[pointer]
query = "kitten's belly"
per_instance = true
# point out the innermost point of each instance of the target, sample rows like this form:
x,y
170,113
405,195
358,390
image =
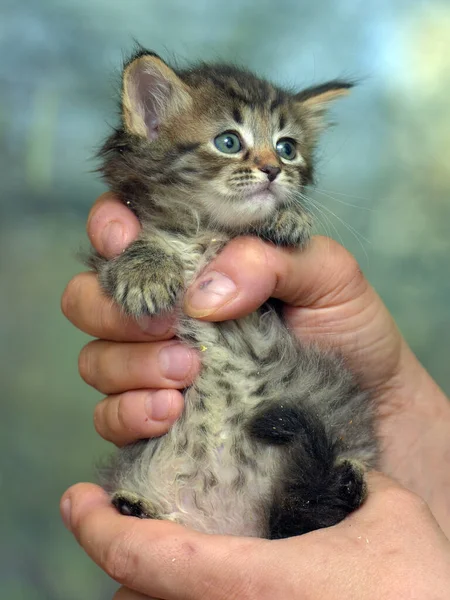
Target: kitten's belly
x,y
224,508
205,472
214,493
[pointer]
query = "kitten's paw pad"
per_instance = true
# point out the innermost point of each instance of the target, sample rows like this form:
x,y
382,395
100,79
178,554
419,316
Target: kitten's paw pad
x,y
352,482
132,505
143,283
289,229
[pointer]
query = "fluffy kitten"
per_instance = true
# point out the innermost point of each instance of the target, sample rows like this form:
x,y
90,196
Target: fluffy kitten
x,y
275,436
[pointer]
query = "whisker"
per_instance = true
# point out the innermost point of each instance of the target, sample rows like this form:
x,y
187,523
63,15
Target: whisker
x,y
324,193
326,218
344,194
358,236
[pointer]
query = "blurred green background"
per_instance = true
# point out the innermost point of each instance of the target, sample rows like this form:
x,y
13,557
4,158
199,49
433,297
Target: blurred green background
x,y
384,187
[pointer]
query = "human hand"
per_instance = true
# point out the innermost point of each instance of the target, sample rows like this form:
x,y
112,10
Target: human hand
x,y
327,301
390,548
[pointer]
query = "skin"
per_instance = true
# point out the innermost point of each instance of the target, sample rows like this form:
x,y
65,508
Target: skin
x,y
328,301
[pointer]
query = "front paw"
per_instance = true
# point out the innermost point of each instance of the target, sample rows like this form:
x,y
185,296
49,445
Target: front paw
x,y
143,280
289,228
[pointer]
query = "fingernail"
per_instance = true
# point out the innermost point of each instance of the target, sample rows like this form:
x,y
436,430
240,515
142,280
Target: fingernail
x,y
155,325
113,238
158,405
175,361
66,508
210,292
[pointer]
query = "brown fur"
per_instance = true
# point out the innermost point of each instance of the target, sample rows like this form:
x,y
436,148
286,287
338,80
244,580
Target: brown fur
x,y
275,436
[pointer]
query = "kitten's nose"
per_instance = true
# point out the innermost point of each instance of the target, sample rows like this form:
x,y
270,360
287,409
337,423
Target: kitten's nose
x,y
271,171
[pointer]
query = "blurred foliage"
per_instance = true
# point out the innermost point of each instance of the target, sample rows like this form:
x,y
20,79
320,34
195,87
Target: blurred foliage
x,y
383,191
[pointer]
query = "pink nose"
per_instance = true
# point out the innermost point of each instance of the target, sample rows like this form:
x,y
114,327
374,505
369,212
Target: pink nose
x,y
271,171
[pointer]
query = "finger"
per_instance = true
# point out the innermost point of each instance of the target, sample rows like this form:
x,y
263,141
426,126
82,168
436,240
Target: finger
x,y
388,511
159,558
111,225
140,414
388,496
382,492
87,307
113,368
126,594
249,271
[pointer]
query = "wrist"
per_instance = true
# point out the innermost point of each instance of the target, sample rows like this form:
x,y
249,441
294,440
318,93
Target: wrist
x,y
411,392
414,426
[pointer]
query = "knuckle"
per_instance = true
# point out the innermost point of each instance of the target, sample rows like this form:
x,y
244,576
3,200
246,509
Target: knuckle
x,y
86,366
110,319
122,413
108,370
349,268
68,298
113,418
94,366
99,419
402,501
348,278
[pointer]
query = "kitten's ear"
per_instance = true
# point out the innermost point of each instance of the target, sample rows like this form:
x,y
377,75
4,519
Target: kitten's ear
x,y
316,100
151,94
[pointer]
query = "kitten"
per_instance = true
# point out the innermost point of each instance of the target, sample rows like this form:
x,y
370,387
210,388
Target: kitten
x,y
275,436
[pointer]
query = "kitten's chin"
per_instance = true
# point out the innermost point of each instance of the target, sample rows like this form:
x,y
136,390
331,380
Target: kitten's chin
x,y
246,211
262,197
257,206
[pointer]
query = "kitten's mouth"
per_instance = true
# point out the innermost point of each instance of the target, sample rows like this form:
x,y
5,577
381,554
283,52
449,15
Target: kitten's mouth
x,y
261,191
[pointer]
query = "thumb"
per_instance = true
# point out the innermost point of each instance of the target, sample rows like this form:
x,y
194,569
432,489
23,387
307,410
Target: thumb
x,y
126,594
158,558
249,271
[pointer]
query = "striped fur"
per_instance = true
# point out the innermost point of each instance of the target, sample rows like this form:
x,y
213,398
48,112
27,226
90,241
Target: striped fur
x,y
275,436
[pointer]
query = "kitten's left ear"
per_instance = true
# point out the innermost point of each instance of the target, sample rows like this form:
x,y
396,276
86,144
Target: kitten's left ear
x,y
316,100
152,93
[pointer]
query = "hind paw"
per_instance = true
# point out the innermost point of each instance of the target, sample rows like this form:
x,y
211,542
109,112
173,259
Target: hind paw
x,y
352,481
132,505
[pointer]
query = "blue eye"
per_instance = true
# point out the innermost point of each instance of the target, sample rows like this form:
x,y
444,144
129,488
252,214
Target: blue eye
x,y
228,142
286,148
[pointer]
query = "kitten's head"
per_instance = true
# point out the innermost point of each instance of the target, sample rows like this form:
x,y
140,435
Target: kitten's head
x,y
230,144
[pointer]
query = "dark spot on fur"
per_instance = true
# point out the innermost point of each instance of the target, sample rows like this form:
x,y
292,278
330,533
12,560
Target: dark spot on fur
x,y
200,403
182,446
198,450
229,399
236,94
187,147
276,103
128,508
307,173
189,171
225,385
235,419
209,481
237,116
242,457
202,429
261,390
239,481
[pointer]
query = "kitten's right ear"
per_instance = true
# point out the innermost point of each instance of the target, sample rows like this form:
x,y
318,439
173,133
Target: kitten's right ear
x,y
151,94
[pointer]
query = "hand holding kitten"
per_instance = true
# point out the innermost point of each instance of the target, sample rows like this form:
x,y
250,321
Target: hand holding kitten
x,y
327,295
390,548
328,301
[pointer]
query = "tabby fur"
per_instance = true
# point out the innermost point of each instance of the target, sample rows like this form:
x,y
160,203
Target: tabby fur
x,y
276,435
